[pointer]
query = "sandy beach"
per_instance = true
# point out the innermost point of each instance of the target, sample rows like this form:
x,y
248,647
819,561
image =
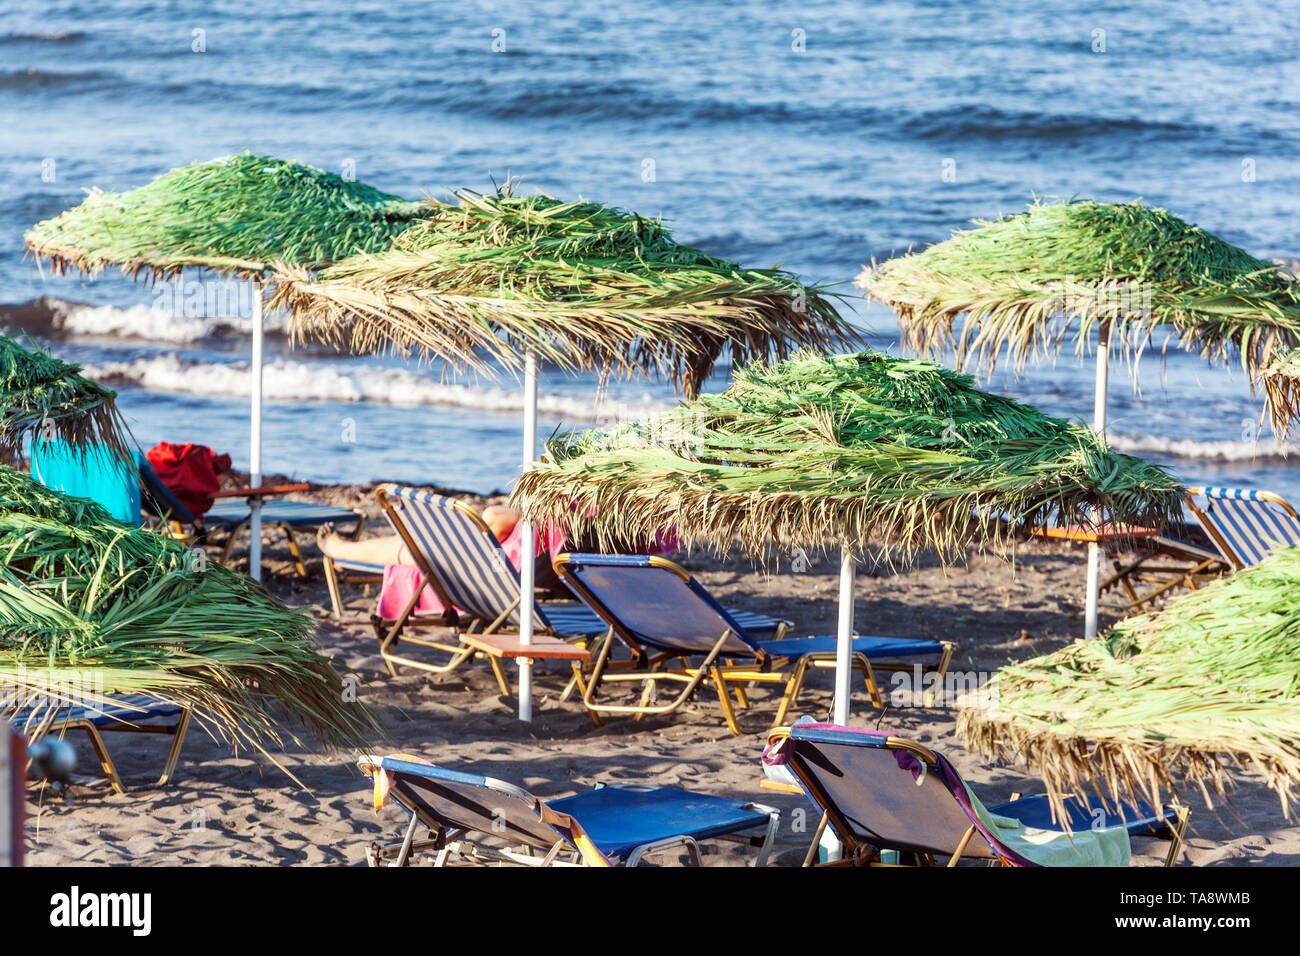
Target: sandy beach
x,y
228,809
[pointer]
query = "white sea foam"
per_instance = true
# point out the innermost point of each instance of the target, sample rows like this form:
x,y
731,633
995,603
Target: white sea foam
x,y
1263,449
153,323
286,380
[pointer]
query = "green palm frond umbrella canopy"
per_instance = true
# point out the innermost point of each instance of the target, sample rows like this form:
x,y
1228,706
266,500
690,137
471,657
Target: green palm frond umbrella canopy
x,y
504,281
90,606
1164,700
845,450
848,449
42,397
236,215
491,278
1127,273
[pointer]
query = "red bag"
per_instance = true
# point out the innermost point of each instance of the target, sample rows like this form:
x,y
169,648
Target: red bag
x,y
190,471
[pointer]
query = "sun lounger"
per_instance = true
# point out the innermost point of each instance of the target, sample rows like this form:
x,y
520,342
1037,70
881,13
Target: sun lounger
x,y
461,560
663,615
606,826
231,512
1161,563
889,798
1246,525
120,713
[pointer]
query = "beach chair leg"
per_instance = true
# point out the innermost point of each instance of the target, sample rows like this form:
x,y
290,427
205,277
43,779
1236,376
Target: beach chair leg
x,y
293,550
792,688
769,837
869,678
101,751
961,846
500,673
178,741
739,686
1179,835
811,856
332,582
229,544
386,642
940,672
724,697
406,842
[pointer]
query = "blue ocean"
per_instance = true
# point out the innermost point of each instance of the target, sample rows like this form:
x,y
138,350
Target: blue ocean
x,y
817,136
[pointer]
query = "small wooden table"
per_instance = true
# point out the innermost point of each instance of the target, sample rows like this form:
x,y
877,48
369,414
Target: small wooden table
x,y
544,647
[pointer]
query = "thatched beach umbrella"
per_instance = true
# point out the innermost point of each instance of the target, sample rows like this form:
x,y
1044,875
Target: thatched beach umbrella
x,y
234,215
1028,282
43,397
1162,699
90,606
505,281
847,451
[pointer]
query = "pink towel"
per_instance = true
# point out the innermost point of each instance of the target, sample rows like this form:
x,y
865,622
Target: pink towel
x,y
550,540
400,582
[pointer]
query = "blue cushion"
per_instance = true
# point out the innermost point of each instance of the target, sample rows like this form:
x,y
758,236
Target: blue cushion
x,y
619,820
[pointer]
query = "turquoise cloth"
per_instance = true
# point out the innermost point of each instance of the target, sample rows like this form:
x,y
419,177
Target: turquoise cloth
x,y
94,473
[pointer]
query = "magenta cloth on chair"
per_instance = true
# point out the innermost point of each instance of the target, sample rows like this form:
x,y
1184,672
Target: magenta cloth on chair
x,y
400,582
550,540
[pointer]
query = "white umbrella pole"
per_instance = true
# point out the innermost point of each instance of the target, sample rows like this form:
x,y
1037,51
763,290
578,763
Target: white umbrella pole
x,y
527,568
1095,555
255,442
844,643
843,673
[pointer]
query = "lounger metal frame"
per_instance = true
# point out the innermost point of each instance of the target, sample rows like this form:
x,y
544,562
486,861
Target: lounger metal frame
x,y
118,724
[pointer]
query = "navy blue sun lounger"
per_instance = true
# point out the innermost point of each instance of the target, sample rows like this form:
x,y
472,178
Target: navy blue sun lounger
x,y
664,615
884,795
485,820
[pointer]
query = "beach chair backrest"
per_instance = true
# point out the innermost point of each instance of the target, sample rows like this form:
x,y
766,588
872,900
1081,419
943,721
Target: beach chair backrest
x,y
454,800
453,545
651,601
880,790
1246,525
160,499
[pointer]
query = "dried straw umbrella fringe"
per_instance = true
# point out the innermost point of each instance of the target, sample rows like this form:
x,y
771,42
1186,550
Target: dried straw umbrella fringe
x,y
1164,699
848,449
583,286
44,398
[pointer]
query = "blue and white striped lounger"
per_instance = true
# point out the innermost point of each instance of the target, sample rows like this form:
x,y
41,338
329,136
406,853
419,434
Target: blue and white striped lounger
x,y
126,712
654,605
606,826
1246,525
461,560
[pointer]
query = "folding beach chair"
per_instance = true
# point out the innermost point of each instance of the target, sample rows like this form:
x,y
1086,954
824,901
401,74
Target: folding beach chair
x,y
614,825
663,615
1246,525
118,713
1161,562
232,513
887,798
461,560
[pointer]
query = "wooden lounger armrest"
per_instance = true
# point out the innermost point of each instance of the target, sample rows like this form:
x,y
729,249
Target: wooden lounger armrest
x,y
261,491
767,783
